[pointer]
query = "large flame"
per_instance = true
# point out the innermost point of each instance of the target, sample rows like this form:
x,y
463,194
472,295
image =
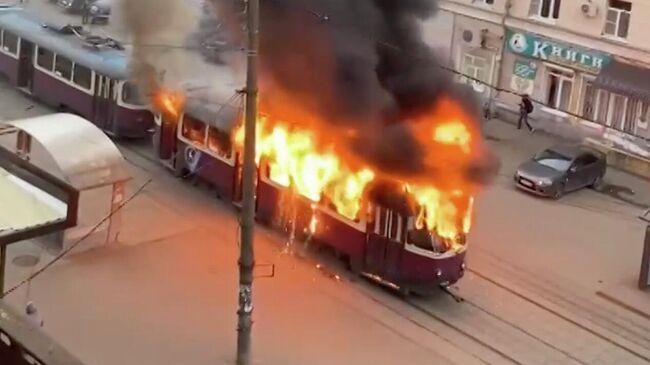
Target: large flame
x,y
313,168
169,103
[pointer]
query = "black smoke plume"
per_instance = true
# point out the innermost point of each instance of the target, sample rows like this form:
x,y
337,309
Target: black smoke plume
x,y
363,66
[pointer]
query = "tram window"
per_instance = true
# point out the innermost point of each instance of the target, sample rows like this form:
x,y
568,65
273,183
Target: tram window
x,y
218,142
9,42
82,76
63,67
131,94
395,227
45,58
194,130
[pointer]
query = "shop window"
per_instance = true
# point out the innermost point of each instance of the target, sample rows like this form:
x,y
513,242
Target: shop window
x,y
475,67
602,106
218,142
194,130
560,86
588,99
643,115
45,58
9,42
618,110
617,23
63,67
546,9
82,76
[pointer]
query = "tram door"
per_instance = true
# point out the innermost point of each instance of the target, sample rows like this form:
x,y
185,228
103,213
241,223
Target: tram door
x,y
103,110
26,66
385,243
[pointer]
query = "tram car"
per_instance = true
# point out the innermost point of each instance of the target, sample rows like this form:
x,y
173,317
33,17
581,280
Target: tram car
x,y
73,72
382,243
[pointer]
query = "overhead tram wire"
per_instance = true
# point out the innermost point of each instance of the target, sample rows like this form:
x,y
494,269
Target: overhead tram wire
x,y
76,243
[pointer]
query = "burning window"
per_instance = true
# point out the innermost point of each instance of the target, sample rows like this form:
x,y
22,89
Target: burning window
x,y
218,142
194,130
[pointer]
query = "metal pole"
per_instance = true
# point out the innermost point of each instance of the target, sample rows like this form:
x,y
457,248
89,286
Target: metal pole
x,y
3,263
247,218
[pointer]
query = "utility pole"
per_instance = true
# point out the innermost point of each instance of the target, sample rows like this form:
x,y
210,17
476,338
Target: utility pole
x,y
247,217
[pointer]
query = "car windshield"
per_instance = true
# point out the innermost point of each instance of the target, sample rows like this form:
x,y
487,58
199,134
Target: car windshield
x,y
554,160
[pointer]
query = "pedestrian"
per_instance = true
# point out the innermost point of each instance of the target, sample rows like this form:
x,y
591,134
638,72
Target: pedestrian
x,y
525,108
85,8
33,315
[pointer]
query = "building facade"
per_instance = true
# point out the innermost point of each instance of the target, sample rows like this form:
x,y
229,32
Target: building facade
x,y
581,59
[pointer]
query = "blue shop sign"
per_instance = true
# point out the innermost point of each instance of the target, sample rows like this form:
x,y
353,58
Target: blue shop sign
x,y
535,46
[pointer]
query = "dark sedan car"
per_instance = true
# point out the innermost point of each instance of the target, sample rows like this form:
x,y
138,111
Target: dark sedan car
x,y
561,169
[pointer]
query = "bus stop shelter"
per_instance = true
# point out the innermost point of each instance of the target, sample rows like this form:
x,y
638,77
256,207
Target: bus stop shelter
x,y
38,198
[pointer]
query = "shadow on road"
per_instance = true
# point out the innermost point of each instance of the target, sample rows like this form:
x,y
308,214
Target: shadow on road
x,y
621,193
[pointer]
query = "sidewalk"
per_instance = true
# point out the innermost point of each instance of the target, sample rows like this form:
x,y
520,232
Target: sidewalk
x,y
626,152
518,145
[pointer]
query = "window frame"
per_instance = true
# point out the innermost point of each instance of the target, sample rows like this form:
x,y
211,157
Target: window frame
x,y
69,81
472,69
563,76
537,7
204,148
617,23
2,43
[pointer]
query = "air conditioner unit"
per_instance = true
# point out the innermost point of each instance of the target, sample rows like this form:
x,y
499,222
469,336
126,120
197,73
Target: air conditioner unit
x,y
474,38
589,9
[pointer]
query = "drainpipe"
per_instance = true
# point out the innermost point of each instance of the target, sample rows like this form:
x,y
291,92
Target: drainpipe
x,y
499,59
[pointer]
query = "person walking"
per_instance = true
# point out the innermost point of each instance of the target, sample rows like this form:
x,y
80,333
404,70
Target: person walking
x,y
85,8
525,108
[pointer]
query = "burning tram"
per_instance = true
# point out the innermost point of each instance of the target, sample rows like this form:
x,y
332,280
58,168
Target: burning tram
x,y
380,229
72,71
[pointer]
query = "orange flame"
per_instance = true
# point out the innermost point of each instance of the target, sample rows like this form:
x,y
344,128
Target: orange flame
x,y
169,103
304,160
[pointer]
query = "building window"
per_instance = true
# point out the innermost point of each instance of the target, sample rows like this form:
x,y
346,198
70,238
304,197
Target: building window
x,y
63,67
560,86
82,76
475,68
488,2
9,42
45,59
547,9
617,23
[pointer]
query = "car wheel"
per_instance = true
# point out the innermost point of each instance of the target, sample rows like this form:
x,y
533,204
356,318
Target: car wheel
x,y
558,192
597,182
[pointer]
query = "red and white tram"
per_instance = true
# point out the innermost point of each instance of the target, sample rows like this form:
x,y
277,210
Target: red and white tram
x,y
382,243
72,72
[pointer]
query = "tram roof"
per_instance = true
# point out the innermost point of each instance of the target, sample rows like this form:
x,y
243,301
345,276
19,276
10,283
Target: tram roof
x,y
223,116
106,61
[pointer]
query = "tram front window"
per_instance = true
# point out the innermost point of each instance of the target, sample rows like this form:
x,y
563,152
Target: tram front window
x,y
218,142
194,130
131,95
423,239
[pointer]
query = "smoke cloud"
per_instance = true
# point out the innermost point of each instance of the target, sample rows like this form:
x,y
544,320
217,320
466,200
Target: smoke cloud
x,y
176,45
363,67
